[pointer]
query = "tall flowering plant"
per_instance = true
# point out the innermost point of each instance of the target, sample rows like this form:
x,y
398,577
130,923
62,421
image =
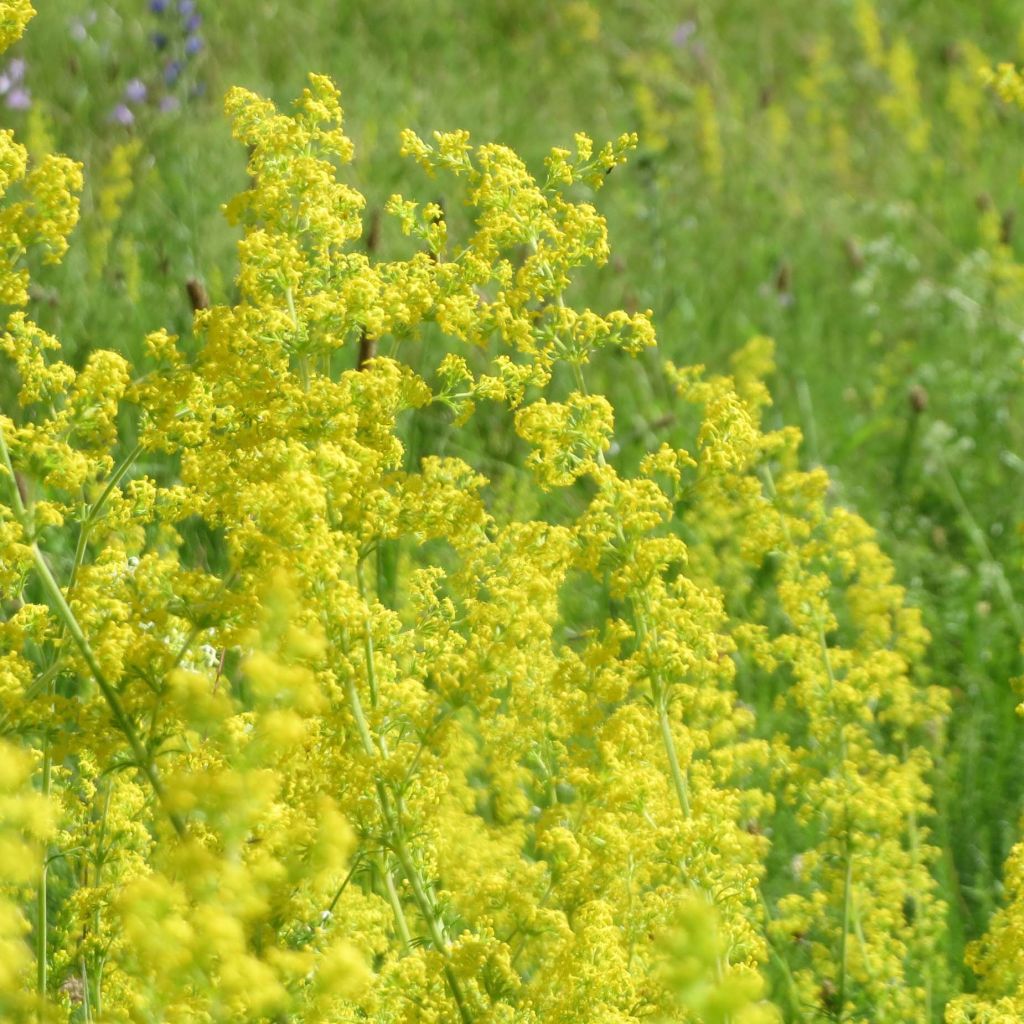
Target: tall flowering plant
x,y
299,728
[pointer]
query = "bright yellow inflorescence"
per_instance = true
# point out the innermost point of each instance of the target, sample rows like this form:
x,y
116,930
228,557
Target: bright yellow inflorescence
x,y
390,751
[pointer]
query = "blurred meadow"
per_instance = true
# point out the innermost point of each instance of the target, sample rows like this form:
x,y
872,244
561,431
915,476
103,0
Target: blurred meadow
x,y
831,174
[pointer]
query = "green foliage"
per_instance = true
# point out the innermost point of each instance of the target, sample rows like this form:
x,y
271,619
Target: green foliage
x,y
408,639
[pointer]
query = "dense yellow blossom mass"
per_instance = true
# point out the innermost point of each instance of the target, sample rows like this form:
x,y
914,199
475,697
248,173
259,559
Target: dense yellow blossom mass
x,y
512,779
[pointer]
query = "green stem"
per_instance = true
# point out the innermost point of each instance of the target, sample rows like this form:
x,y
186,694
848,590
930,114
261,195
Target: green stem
x,y
371,669
371,675
678,779
62,609
396,904
110,695
115,478
43,924
659,690
424,901
341,888
979,540
903,458
430,914
830,675
86,1002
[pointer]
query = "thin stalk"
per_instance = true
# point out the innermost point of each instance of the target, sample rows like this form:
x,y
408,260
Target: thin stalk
x,y
794,991
396,905
83,535
641,609
342,888
371,670
424,901
977,536
59,605
115,478
903,457
371,675
429,911
86,1002
847,908
830,674
858,930
803,395
110,695
678,780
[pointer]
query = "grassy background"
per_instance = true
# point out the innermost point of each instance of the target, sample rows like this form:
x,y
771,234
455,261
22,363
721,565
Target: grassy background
x,y
859,207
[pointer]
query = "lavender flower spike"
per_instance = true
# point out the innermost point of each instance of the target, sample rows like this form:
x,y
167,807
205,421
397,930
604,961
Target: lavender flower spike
x,y
19,98
136,91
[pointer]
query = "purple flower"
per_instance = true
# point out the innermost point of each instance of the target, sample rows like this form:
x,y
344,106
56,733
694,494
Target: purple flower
x,y
193,23
19,98
172,71
168,104
158,6
11,77
79,27
122,115
193,45
160,40
135,91
186,7
684,32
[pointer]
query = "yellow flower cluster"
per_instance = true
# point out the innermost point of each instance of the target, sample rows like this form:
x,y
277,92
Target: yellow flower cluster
x,y
116,186
1006,81
851,78
375,747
